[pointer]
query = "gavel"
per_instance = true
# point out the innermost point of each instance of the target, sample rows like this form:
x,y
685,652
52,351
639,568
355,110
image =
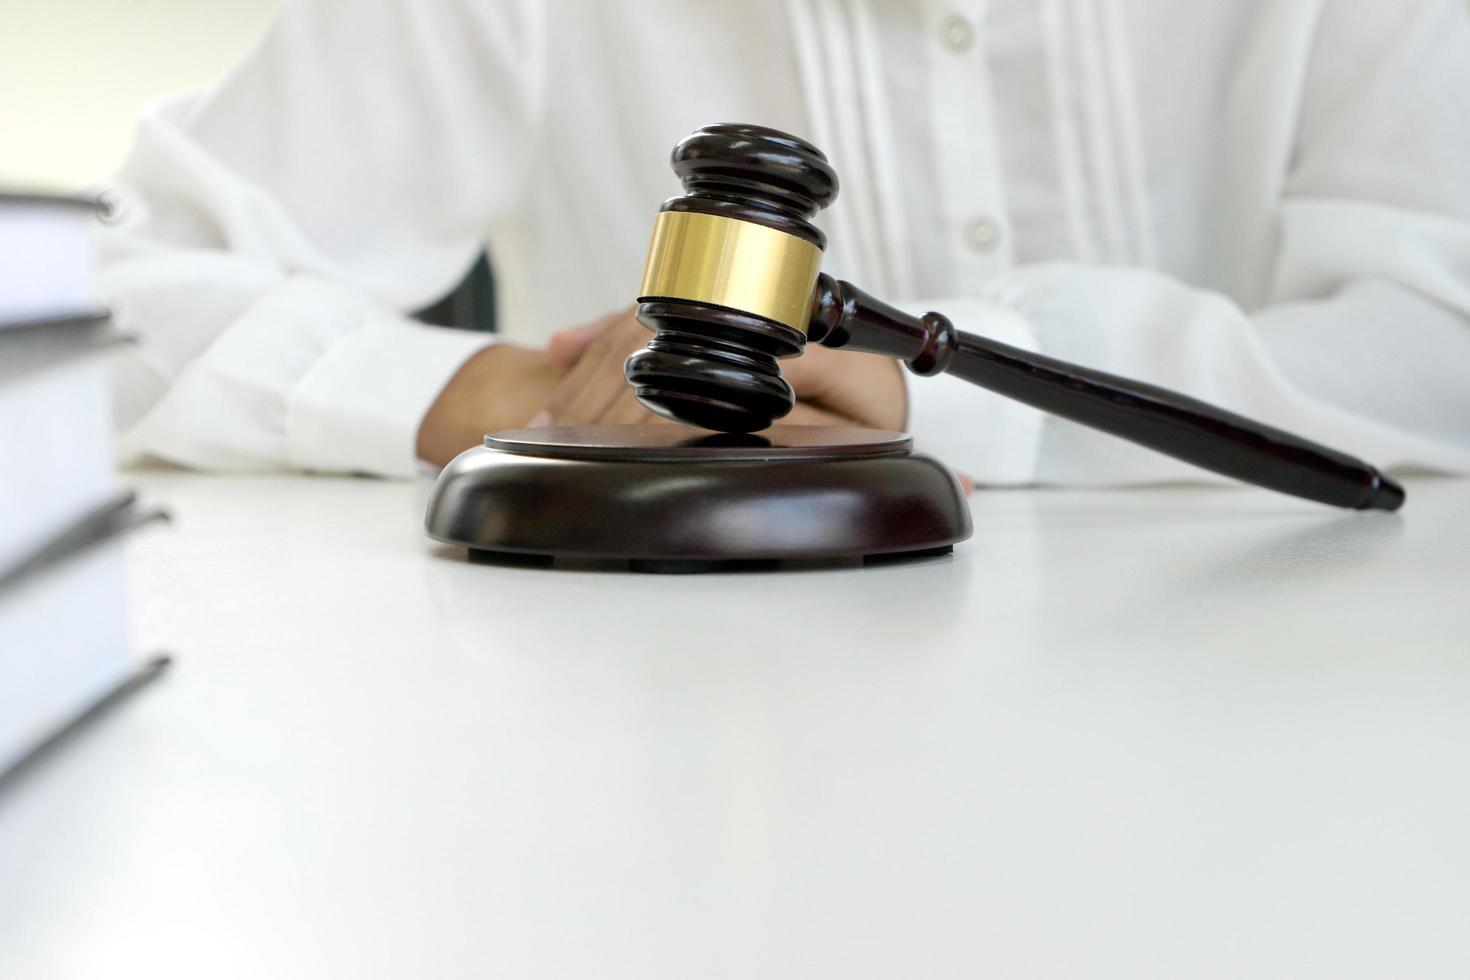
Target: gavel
x,y
733,283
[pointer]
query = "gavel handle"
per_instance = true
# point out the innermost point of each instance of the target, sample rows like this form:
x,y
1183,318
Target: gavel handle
x,y
843,316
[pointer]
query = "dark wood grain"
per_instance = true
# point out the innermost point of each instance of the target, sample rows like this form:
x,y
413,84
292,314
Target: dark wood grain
x,y
662,494
718,368
1166,421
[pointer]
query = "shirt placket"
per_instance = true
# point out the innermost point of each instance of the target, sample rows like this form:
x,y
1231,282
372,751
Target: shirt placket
x,y
976,229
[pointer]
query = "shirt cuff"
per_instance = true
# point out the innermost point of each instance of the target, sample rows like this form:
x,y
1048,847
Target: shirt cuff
x,y
991,439
359,407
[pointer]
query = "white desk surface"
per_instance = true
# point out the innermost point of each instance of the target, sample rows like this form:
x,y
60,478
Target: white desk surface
x,y
1182,733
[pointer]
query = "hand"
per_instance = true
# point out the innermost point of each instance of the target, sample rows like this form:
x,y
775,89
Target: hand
x,y
498,388
592,390
832,387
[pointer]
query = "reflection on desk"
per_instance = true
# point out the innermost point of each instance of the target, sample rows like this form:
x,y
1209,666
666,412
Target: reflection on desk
x,y
1156,733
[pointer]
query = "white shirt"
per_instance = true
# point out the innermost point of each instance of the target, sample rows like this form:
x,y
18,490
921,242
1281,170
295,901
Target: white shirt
x,y
1262,203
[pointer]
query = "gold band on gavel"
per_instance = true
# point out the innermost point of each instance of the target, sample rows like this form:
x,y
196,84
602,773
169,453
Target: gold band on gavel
x,y
737,264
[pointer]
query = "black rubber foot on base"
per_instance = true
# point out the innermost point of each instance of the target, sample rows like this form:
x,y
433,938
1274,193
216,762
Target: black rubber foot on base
x,y
679,503
684,566
660,566
900,556
482,556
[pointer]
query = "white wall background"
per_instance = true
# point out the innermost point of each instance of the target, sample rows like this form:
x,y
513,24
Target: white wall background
x,y
75,73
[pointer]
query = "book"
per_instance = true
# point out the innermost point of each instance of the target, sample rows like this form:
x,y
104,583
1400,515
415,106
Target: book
x,y
55,449
64,643
64,638
39,344
46,257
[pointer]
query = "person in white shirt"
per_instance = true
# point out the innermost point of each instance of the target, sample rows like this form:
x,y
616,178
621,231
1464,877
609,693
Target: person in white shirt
x,y
1261,203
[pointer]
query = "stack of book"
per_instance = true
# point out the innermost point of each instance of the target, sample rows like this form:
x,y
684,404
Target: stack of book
x,y
64,648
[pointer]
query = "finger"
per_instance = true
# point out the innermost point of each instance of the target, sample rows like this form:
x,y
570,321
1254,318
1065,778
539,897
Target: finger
x,y
627,410
804,413
633,412
967,484
596,380
588,391
567,346
570,389
594,391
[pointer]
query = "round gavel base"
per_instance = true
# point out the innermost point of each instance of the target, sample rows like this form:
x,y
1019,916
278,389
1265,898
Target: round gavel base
x,y
664,501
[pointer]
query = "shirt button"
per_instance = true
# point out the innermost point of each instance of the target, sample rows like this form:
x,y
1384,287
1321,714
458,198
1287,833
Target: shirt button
x,y
956,33
982,234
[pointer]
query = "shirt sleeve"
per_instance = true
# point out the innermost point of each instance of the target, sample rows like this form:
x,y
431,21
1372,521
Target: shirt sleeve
x,y
277,229
1364,339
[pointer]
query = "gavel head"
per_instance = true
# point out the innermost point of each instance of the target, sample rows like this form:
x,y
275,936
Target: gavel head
x,y
730,277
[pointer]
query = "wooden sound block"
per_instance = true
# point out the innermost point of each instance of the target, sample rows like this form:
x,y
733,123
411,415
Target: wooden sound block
x,y
666,499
